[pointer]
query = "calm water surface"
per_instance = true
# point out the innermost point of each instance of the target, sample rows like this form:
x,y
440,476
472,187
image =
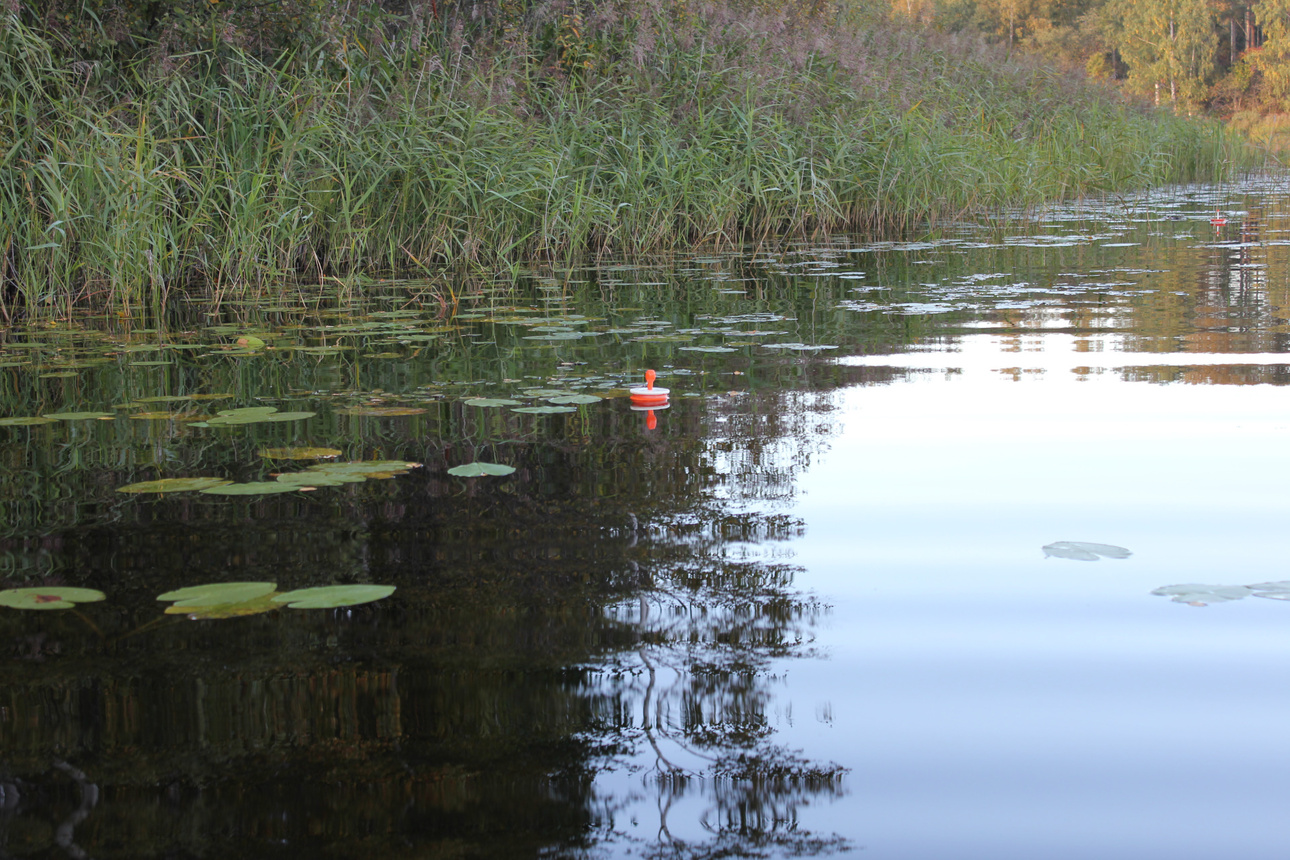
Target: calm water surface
x,y
809,613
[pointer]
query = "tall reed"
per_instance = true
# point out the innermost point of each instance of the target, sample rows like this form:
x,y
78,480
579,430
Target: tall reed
x,y
234,176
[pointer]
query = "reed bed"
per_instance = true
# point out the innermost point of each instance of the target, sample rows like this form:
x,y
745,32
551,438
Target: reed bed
x,y
227,175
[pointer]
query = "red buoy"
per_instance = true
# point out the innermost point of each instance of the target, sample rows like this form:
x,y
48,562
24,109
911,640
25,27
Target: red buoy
x,y
649,397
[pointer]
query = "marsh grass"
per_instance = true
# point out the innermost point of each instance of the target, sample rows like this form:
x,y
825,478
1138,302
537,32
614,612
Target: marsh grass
x,y
225,176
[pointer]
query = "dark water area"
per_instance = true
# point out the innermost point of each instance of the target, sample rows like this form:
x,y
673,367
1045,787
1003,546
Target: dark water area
x,y
784,621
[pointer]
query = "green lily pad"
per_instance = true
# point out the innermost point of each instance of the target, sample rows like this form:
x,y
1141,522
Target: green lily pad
x,y
165,416
570,399
27,421
249,341
61,374
491,401
255,415
251,488
78,416
332,596
382,411
477,469
304,480
545,410
707,349
174,485
300,453
359,467
216,593
39,597
239,609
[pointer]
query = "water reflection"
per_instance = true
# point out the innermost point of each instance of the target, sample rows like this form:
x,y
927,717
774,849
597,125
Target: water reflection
x,y
603,652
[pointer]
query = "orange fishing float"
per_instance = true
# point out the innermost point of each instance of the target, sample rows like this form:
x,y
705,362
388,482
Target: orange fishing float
x,y
649,397
1218,220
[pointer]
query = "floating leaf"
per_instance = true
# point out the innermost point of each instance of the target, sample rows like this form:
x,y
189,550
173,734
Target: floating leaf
x,y
166,416
545,410
53,597
240,609
300,453
255,415
250,341
477,469
173,485
1202,595
78,416
799,347
1084,551
1272,590
570,399
365,466
252,488
707,349
149,363
62,374
26,421
320,479
332,596
216,593
491,401
382,411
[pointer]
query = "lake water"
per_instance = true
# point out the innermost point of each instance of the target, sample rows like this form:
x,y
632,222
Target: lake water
x,y
840,599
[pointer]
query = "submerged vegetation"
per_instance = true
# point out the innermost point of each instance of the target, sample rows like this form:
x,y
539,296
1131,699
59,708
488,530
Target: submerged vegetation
x,y
418,145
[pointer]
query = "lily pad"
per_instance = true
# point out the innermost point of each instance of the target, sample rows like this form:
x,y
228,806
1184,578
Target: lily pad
x,y
799,347
570,399
255,415
166,416
173,485
314,480
300,453
359,467
1202,595
239,609
1272,590
477,469
382,411
332,596
54,597
491,401
251,488
545,410
78,416
27,421
216,593
707,349
1084,551
250,341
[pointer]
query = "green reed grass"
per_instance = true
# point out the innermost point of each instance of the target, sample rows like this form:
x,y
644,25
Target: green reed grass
x,y
228,176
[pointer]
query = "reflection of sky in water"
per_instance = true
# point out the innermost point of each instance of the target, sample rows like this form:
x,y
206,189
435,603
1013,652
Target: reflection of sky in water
x,y
993,703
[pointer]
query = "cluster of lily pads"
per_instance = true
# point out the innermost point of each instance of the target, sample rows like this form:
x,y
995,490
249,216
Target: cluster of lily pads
x,y
212,600
311,478
1194,594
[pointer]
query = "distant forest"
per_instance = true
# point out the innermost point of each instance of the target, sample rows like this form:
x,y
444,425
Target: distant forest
x,y
1219,56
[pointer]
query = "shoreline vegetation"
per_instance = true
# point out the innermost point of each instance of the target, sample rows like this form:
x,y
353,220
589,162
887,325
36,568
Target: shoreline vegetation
x,y
414,146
